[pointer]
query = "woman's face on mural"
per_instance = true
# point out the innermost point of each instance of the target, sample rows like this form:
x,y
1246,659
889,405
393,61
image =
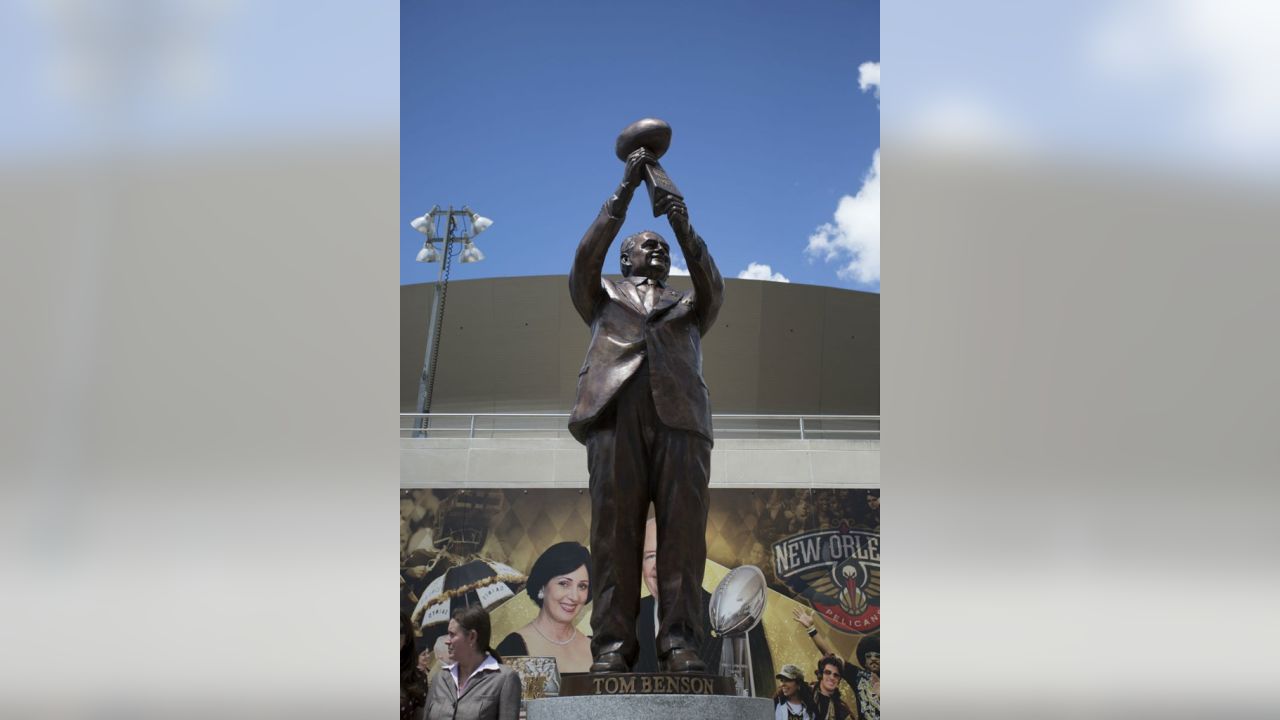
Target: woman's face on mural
x,y
789,687
565,595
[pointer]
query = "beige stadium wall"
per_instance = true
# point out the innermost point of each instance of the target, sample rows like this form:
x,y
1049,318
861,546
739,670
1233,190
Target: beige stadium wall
x,y
516,344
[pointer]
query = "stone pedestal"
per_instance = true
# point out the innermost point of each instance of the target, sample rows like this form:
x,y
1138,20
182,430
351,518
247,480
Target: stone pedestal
x,y
651,707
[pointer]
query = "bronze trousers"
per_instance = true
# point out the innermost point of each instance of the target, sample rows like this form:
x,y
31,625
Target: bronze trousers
x,y
635,460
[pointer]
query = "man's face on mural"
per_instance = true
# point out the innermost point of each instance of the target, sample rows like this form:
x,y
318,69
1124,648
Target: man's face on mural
x,y
873,662
441,650
650,563
829,680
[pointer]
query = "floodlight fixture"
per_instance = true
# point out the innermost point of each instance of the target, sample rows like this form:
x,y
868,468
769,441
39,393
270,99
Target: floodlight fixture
x,y
479,223
470,253
428,253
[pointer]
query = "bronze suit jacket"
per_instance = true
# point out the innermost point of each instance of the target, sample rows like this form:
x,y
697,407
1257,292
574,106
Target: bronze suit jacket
x,y
623,335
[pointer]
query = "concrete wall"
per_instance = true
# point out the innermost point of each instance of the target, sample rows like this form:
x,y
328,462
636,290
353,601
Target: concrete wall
x,y
515,345
547,462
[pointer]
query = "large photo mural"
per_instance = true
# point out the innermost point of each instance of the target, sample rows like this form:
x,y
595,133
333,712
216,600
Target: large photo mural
x,y
808,559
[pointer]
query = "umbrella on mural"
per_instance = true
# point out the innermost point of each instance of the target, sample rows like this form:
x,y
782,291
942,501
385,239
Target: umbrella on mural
x,y
484,581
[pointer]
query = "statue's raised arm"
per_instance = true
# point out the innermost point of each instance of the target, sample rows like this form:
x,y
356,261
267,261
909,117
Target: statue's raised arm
x,y
708,286
588,261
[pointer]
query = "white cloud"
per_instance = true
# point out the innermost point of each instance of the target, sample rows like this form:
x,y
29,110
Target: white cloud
x,y
869,76
760,271
677,270
854,237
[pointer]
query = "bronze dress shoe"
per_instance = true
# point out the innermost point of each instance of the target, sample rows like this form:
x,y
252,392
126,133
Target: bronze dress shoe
x,y
682,660
610,662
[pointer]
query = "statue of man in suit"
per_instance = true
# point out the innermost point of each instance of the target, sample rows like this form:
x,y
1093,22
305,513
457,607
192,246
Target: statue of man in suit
x,y
644,413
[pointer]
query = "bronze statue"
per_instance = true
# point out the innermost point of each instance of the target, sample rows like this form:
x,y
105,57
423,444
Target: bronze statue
x,y
644,413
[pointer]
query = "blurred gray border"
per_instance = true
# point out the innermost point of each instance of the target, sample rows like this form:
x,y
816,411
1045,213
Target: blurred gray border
x,y
1079,393
201,345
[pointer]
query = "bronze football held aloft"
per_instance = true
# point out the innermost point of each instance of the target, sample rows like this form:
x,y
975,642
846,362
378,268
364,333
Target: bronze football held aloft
x,y
653,135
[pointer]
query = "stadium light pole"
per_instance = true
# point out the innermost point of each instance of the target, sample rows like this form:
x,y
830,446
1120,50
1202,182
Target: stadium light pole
x,y
459,226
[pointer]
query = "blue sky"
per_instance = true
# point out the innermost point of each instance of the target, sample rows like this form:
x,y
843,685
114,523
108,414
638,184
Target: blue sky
x,y
513,108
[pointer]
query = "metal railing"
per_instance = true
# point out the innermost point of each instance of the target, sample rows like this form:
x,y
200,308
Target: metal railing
x,y
553,425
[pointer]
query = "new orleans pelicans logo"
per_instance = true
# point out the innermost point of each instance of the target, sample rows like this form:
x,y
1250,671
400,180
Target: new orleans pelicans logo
x,y
837,571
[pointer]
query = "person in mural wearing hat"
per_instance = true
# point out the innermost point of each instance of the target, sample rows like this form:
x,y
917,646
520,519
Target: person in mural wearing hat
x,y
560,584
794,699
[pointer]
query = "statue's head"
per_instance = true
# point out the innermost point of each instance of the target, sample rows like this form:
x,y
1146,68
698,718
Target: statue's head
x,y
646,254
